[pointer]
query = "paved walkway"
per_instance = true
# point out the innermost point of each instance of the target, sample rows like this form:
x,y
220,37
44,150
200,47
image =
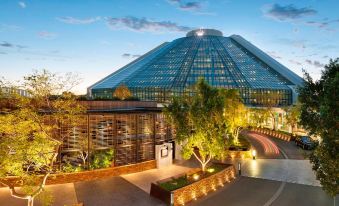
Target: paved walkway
x,y
144,179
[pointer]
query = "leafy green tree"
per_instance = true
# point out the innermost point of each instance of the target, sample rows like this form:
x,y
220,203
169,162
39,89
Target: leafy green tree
x,y
235,113
28,146
199,123
257,117
293,115
269,101
319,115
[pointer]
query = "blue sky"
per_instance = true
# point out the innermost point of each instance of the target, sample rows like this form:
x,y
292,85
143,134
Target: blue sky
x,y
96,37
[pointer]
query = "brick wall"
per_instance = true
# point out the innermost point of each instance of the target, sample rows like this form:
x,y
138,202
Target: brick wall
x,y
93,174
202,187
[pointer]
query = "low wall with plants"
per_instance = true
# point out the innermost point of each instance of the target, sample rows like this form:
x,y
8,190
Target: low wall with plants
x,y
182,189
62,178
278,134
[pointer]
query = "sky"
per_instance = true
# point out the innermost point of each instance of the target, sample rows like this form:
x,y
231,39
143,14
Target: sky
x,y
94,38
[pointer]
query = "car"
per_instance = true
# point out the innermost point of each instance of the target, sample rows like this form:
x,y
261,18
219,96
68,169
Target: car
x,y
305,142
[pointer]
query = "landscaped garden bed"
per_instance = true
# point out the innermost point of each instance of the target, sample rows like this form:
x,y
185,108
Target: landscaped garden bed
x,y
242,149
184,188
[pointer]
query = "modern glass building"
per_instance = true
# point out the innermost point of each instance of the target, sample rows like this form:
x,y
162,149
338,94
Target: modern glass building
x,y
227,62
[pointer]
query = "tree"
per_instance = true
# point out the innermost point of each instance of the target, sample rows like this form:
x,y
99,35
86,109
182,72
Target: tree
x,y
257,117
235,113
293,115
28,146
320,116
199,123
122,92
269,100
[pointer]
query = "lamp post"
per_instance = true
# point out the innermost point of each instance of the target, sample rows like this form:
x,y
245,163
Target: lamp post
x,y
254,154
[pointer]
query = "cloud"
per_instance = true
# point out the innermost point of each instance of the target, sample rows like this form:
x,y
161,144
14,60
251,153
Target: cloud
x,y
315,63
72,20
274,55
6,44
145,25
288,12
301,44
46,35
322,24
8,27
127,55
10,45
295,62
190,6
2,52
22,4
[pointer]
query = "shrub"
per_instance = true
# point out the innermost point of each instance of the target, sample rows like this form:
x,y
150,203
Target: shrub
x,y
102,159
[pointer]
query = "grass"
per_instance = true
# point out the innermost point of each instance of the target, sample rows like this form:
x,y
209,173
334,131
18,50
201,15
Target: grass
x,y
185,180
175,183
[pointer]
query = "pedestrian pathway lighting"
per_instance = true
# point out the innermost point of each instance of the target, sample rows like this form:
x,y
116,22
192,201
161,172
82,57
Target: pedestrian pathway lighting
x,y
254,154
196,177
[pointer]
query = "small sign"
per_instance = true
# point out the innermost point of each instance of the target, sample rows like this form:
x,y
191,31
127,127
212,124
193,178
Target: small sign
x,y
164,152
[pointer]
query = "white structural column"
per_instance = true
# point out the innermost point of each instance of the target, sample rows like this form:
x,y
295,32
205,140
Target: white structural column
x,y
164,155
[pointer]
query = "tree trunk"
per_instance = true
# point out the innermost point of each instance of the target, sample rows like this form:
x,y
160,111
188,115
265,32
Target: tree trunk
x,y
203,162
29,198
30,201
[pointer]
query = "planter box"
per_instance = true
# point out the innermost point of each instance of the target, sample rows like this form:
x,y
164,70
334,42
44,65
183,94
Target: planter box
x,y
194,190
62,178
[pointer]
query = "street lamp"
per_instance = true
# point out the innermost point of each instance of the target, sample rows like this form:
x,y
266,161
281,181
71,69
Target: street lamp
x,y
254,154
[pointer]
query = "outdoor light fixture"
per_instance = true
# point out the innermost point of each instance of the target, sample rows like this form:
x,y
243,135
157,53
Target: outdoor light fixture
x,y
200,32
195,177
210,170
254,153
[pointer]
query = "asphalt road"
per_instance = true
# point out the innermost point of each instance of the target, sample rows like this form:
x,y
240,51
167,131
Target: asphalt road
x,y
246,191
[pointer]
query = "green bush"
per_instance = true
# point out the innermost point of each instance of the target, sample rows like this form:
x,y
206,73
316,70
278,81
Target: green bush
x,y
102,158
68,167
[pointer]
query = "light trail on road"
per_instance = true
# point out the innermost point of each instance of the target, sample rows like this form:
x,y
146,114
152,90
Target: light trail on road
x,y
269,146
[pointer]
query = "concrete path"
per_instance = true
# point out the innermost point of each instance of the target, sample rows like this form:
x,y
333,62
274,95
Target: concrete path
x,y
114,191
144,179
293,171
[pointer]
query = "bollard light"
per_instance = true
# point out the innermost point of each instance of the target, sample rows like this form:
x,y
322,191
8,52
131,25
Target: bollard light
x,y
254,154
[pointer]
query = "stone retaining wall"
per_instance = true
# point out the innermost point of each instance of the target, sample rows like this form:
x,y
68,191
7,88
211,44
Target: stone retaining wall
x,y
200,188
91,175
272,133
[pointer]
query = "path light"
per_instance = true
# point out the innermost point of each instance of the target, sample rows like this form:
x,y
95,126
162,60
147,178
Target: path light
x,y
196,177
210,170
254,154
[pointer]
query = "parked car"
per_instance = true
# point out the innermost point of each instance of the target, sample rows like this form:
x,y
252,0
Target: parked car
x,y
305,142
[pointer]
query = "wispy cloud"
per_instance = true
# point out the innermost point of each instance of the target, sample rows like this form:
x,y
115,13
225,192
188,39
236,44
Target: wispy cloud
x,y
298,43
11,45
295,62
315,63
2,52
274,54
22,4
72,20
322,24
190,6
127,55
145,25
288,12
196,7
46,35
9,27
